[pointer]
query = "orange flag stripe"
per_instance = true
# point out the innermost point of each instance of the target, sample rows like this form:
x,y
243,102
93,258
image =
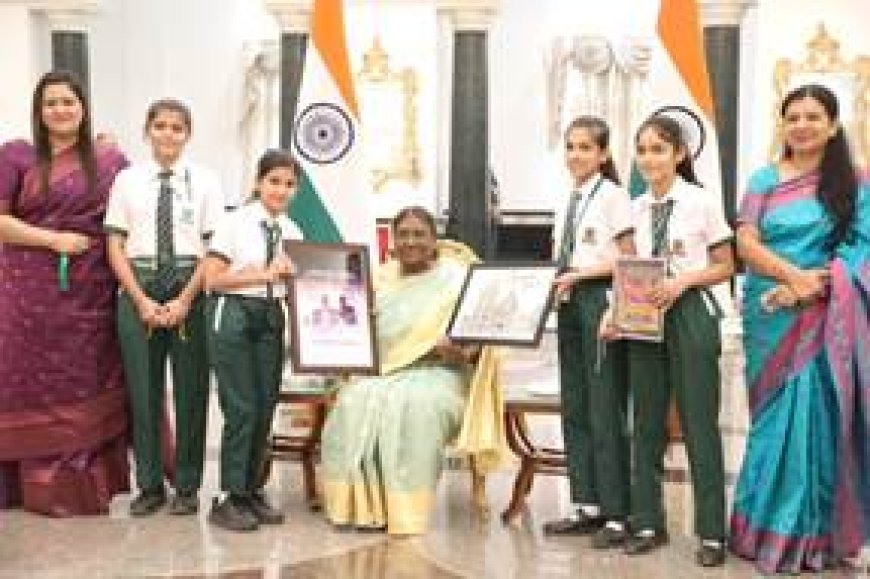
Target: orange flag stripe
x,y
679,27
327,34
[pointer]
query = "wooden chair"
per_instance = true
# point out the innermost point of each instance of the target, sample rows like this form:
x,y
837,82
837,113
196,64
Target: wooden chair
x,y
303,446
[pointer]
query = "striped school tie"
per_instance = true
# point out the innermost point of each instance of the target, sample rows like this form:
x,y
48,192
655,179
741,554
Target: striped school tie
x,y
272,234
569,233
165,275
660,215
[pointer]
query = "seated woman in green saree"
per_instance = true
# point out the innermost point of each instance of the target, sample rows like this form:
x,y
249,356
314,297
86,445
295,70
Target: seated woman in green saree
x,y
383,443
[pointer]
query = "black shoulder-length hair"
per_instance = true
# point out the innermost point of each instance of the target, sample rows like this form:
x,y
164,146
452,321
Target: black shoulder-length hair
x,y
838,181
41,142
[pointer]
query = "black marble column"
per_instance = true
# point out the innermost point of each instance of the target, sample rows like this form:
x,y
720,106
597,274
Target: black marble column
x,y
293,46
69,52
722,46
469,219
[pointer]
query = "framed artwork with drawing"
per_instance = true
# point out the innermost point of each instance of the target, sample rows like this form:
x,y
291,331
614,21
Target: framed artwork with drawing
x,y
504,303
331,326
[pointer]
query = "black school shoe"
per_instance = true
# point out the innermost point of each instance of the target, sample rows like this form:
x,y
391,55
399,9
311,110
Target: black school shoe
x,y
148,502
638,544
233,514
710,555
265,513
609,538
583,524
184,503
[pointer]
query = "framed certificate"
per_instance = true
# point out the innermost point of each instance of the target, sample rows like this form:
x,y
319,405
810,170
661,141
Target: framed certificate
x,y
504,303
331,327
634,315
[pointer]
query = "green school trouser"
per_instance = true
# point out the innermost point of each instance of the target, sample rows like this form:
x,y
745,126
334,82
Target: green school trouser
x,y
145,369
246,347
688,362
594,396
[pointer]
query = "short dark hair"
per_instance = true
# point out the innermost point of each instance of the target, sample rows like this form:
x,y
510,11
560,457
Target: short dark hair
x,y
171,105
274,158
420,213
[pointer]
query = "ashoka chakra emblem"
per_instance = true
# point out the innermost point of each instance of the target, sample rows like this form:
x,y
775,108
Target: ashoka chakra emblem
x,y
323,133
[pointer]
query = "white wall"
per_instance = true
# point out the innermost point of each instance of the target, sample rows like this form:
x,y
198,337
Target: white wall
x,y
20,67
781,29
409,35
191,50
528,173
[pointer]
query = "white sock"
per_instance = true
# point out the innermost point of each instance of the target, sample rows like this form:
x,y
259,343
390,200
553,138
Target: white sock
x,y
711,543
618,526
589,510
646,533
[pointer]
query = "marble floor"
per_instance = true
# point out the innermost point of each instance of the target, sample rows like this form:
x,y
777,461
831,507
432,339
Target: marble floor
x,y
460,543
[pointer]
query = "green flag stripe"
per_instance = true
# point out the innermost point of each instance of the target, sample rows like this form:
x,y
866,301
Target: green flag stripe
x,y
311,215
636,184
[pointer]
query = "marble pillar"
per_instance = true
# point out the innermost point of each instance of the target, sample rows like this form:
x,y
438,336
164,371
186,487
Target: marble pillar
x,y
470,218
721,20
293,18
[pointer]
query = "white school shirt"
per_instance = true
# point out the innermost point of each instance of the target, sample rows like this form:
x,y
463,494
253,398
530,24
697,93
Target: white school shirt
x,y
696,224
241,241
607,216
197,206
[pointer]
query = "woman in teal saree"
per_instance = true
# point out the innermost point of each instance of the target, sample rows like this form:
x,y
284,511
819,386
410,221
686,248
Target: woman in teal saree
x,y
803,497
383,442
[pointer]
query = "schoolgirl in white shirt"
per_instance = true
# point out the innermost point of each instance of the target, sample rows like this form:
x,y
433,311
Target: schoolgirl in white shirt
x,y
246,273
160,215
593,227
680,221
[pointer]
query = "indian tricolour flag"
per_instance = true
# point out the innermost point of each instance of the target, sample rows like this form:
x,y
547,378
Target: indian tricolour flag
x,y
679,86
331,202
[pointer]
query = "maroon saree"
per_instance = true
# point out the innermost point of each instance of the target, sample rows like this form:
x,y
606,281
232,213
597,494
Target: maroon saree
x,y
63,419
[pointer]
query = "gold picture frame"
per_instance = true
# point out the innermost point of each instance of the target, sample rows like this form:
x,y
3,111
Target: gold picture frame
x,y
394,146
848,79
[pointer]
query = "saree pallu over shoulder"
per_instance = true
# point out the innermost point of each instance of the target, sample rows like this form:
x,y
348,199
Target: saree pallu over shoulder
x,y
803,498
63,416
482,433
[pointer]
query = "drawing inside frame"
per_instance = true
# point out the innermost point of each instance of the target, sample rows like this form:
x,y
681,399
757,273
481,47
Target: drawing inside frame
x,y
635,316
504,303
331,326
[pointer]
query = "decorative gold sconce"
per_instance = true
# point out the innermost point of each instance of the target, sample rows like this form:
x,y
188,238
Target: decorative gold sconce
x,y
850,82
389,110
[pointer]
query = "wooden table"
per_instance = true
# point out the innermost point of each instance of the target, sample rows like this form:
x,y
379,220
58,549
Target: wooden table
x,y
303,446
534,458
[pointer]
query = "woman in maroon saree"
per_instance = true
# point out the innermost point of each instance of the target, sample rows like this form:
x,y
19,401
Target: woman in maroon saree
x,y
63,420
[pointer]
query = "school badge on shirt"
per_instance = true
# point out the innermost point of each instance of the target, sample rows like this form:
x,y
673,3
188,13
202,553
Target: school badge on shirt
x,y
678,248
588,236
186,216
